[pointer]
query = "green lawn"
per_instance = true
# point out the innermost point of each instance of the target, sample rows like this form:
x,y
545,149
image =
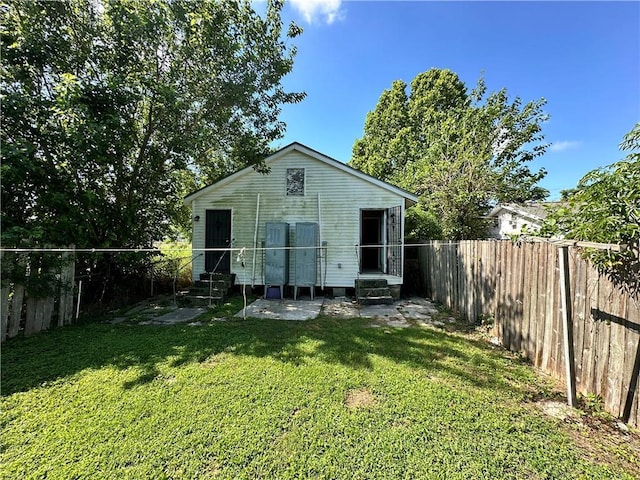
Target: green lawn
x,y
272,399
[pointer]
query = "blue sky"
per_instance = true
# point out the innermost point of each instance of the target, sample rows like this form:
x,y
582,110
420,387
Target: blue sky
x,y
583,57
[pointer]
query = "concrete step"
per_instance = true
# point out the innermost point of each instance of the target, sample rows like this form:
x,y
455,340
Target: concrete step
x,y
229,277
371,283
214,291
381,300
374,292
221,283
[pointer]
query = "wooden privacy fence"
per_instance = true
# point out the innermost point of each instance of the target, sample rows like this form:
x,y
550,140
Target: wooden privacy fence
x,y
518,286
45,294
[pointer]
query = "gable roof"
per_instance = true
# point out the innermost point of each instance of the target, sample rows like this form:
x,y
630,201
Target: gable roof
x,y
409,197
533,210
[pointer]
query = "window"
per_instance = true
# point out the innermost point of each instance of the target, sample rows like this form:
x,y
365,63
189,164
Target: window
x,y
295,181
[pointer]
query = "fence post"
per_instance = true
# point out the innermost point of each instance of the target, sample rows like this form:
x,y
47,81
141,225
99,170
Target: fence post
x,y
567,324
67,281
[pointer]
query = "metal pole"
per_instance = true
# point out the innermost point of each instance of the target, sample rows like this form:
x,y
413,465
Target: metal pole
x,y
255,242
79,295
211,285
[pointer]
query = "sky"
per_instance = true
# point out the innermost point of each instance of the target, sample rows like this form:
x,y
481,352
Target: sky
x,y
582,57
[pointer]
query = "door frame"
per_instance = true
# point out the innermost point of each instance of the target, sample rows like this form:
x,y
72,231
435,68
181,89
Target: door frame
x,y
229,242
382,240
390,248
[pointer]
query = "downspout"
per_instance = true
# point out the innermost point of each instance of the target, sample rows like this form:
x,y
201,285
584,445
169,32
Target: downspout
x,y
255,243
402,205
193,237
385,241
322,249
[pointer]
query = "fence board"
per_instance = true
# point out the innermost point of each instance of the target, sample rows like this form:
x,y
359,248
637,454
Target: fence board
x,y
533,298
465,281
557,357
16,311
47,312
547,351
604,335
500,265
31,322
590,359
38,312
631,373
613,375
507,313
67,279
4,311
526,279
518,296
578,287
542,303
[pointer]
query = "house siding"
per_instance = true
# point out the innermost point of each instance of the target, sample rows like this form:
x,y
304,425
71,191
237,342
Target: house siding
x,y
510,223
333,198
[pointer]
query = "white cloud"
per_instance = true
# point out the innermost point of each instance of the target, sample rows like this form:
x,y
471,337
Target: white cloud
x,y
564,145
323,10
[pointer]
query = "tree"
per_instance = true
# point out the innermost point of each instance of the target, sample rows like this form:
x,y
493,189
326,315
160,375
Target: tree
x,y
113,109
379,155
461,152
605,208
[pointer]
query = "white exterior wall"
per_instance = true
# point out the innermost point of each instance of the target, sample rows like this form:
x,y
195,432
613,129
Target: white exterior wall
x,y
340,195
509,223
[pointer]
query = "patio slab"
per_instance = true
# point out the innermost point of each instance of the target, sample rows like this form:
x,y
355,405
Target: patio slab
x,y
286,309
418,310
179,315
342,307
375,311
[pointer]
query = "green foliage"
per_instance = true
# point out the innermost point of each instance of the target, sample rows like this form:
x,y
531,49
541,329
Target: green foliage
x,y
461,152
113,111
268,399
605,208
174,262
421,224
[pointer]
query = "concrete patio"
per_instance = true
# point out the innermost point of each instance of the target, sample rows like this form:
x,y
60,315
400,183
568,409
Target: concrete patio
x,y
402,313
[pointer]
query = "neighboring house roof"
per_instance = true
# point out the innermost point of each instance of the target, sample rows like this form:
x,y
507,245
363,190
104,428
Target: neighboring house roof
x,y
409,197
536,211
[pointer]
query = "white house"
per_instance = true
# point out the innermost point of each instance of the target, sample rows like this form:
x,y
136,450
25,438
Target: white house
x,y
356,222
510,218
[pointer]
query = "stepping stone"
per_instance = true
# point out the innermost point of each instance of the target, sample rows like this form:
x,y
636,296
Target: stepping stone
x,y
179,315
374,311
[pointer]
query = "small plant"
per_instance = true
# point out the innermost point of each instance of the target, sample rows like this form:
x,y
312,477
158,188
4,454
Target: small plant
x,y
593,402
487,320
594,405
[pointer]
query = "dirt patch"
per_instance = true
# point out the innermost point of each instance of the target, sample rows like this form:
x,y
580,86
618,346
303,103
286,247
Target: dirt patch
x,y
556,409
601,438
360,398
602,441
341,308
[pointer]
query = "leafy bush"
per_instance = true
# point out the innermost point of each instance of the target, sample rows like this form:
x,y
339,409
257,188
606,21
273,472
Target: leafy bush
x,y
605,207
174,258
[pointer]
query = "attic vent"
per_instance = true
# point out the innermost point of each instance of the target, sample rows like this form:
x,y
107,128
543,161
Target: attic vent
x,y
295,181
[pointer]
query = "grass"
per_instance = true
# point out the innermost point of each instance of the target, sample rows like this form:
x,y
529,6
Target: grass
x,y
328,398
